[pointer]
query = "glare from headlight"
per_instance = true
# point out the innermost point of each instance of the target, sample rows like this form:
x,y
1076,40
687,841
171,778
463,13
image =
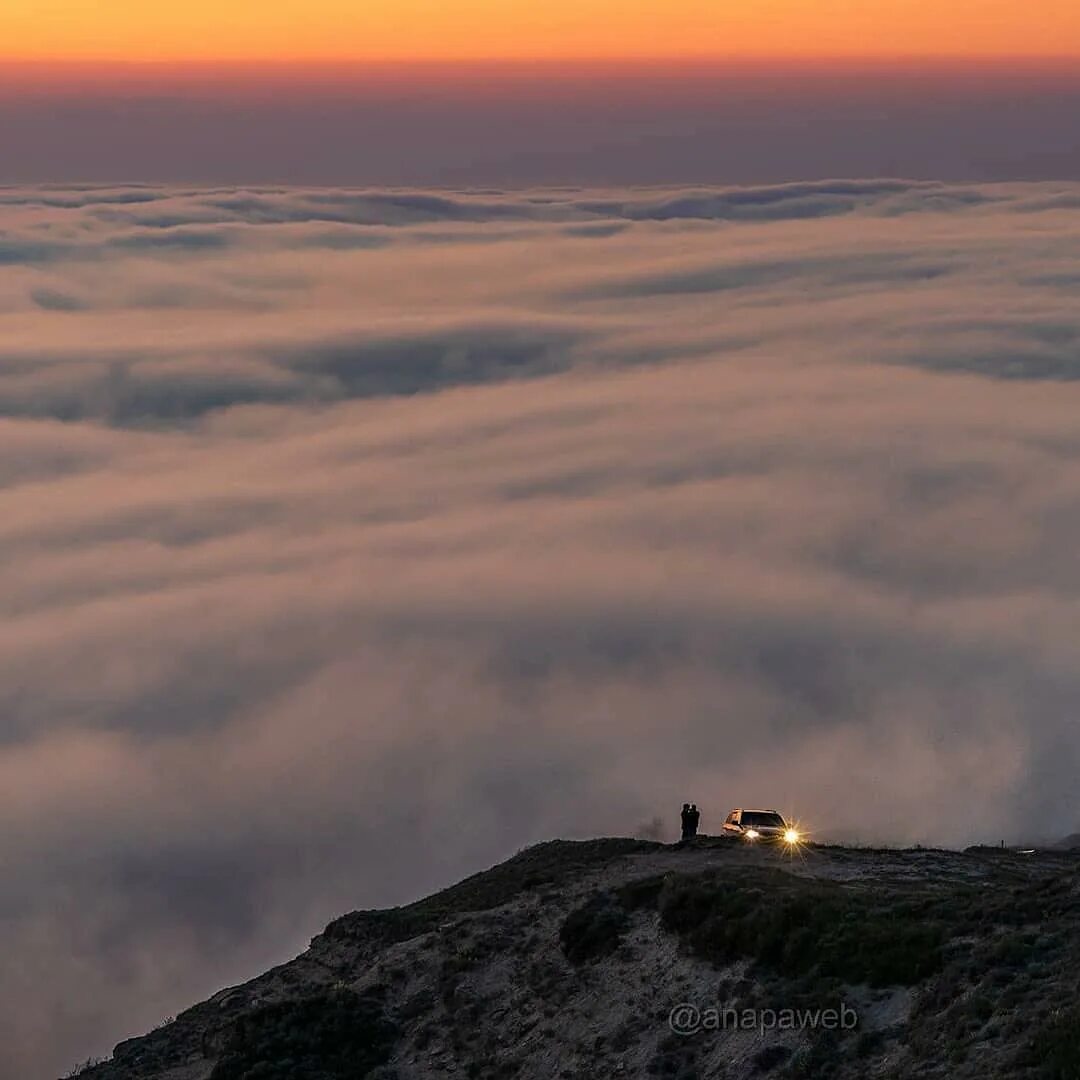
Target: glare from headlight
x,y
791,836
751,834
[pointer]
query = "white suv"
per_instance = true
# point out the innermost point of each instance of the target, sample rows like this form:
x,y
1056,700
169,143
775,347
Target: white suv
x,y
762,826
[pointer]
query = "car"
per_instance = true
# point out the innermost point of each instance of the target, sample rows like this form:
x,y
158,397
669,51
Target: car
x,y
760,826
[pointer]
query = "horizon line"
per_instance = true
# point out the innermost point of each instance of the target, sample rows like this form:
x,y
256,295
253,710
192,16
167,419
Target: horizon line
x,y
524,61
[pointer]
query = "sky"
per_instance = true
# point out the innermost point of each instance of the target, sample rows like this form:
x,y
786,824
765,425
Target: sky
x,y
352,539
483,92
515,125
126,30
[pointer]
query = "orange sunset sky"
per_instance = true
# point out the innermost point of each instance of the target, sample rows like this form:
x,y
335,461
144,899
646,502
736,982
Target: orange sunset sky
x,y
298,30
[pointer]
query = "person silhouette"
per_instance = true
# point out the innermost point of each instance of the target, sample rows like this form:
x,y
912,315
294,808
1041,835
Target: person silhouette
x,y
692,820
685,817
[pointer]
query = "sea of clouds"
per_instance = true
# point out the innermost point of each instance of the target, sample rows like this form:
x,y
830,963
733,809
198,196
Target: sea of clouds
x,y
352,540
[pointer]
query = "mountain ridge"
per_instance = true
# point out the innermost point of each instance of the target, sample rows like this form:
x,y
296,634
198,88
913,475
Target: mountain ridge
x,y
572,958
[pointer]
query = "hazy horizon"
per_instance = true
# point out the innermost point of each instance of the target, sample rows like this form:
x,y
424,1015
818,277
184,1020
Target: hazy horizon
x,y
520,125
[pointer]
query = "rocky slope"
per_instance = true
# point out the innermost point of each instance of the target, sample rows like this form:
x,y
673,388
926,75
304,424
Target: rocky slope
x,y
578,959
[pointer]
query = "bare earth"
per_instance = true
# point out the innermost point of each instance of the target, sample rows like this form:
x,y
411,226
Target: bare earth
x,y
567,961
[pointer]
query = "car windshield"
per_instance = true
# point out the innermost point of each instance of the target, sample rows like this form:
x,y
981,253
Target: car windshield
x,y
756,819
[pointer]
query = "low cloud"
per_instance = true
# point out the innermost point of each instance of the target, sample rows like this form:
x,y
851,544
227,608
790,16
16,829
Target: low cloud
x,y
350,571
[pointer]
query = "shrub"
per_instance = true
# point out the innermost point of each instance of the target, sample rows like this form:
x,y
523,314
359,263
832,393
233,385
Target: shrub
x,y
769,1057
800,928
337,1036
1056,1046
595,929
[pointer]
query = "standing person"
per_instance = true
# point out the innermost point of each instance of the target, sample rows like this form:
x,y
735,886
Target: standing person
x,y
693,820
685,816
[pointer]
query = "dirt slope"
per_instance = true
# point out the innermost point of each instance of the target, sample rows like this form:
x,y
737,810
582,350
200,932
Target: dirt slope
x,y
568,961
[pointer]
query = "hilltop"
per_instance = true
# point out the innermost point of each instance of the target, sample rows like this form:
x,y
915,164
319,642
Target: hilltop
x,y
568,960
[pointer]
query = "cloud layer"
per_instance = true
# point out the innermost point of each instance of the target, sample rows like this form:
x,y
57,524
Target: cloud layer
x,y
353,539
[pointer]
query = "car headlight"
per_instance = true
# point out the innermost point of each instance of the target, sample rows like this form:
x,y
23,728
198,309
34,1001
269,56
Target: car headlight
x,y
751,834
791,836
